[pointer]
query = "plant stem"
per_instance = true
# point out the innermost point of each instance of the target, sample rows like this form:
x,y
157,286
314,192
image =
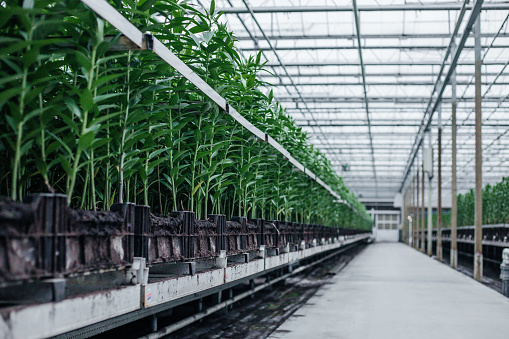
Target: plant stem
x,y
124,132
83,129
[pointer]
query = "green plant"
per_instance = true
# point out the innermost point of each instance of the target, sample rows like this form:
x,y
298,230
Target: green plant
x,y
82,116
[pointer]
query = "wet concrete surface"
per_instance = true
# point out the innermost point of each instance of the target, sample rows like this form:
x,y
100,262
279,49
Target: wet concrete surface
x,y
259,317
392,291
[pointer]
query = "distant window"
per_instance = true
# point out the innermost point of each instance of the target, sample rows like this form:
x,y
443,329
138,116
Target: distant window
x,y
387,221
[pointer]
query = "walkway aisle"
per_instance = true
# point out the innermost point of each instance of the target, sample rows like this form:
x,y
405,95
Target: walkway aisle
x,y
392,291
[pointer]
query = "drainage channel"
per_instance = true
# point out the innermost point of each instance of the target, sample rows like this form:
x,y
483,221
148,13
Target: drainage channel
x,y
332,268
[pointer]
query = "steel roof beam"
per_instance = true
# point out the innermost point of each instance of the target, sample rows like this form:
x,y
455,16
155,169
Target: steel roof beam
x,y
361,158
253,39
394,74
387,8
341,109
281,64
327,48
352,134
419,100
440,85
396,83
363,72
364,36
379,63
394,124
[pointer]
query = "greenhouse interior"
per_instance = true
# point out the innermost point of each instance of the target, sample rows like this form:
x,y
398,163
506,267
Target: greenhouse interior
x,y
254,168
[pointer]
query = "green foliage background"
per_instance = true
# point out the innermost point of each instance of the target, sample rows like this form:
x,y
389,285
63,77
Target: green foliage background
x,y
495,206
103,125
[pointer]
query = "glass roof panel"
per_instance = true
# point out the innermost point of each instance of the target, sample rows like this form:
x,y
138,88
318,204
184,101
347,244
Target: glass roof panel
x,y
402,51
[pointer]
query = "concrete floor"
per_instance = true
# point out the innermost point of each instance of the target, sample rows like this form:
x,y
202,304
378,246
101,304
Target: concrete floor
x,y
392,291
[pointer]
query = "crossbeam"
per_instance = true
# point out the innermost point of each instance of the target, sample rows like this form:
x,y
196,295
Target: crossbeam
x,y
378,8
375,47
394,99
365,91
377,74
364,36
436,98
394,83
381,63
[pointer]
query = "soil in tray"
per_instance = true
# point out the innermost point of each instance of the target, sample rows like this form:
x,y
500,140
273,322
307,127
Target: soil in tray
x,y
206,231
252,228
233,232
270,226
205,225
92,222
15,218
252,231
233,227
164,224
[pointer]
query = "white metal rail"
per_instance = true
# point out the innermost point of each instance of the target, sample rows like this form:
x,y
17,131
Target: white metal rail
x,y
94,312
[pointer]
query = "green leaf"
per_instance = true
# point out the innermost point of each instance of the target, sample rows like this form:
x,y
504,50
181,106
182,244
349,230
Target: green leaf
x,y
250,81
103,47
146,5
26,146
30,57
83,60
72,107
131,162
86,140
66,165
9,93
196,188
105,79
11,122
99,34
86,100
41,166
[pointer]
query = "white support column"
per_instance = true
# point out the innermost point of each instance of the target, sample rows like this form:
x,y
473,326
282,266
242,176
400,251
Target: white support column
x,y
478,257
430,206
454,209
439,185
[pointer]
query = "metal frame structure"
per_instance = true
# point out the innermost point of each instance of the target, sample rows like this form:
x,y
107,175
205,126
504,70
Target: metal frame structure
x,y
365,80
422,6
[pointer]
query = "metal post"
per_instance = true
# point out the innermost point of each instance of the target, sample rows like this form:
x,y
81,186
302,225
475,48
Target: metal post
x,y
153,323
439,188
478,258
409,216
430,206
404,211
422,209
414,239
410,230
454,209
417,221
504,272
